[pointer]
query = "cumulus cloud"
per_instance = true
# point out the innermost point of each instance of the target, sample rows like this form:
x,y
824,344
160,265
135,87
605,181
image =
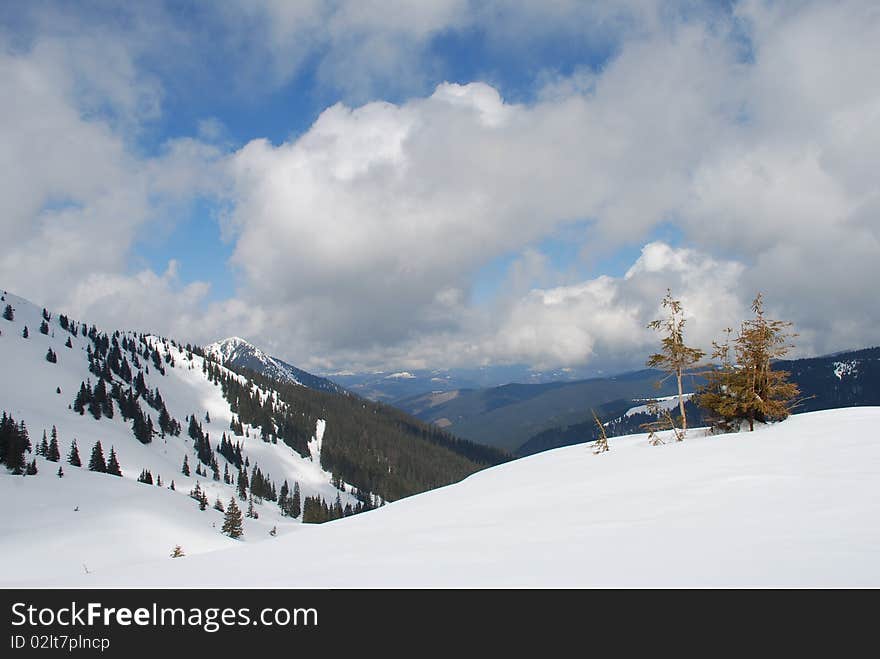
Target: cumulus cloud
x,y
754,132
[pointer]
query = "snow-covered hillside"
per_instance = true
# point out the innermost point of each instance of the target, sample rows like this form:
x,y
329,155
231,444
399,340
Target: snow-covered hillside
x,y
794,504
122,521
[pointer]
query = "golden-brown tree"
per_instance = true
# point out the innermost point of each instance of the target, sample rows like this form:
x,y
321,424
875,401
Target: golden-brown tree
x,y
601,443
674,357
746,387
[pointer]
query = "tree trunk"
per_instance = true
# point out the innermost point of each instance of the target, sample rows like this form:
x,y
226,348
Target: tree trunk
x,y
684,424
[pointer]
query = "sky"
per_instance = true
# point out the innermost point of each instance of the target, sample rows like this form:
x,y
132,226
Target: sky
x,y
387,185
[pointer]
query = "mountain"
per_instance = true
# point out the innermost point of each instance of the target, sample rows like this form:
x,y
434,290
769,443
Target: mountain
x,y
157,405
240,353
509,415
394,386
794,504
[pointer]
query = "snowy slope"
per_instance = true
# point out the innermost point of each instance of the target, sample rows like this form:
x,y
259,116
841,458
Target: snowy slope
x,y
121,521
795,504
239,352
663,403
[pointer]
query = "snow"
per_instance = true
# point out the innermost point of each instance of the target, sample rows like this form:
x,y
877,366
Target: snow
x,y
317,440
121,521
845,368
665,403
401,375
234,346
793,504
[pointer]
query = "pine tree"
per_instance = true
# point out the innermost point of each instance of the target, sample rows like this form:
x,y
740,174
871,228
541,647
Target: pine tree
x,y
31,468
745,387
674,357
53,454
185,468
51,357
44,327
250,511
218,505
68,343
177,552
9,313
242,485
60,472
24,333
232,520
43,446
96,461
295,502
73,456
113,464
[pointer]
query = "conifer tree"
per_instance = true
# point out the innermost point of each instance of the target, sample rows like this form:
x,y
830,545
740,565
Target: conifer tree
x,y
674,357
745,387
113,464
250,511
43,446
177,552
185,468
218,505
53,454
51,357
24,333
232,520
44,327
295,501
9,313
31,468
96,461
60,472
73,455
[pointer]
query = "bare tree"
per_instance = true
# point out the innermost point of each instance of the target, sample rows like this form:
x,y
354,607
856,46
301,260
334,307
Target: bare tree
x,y
674,357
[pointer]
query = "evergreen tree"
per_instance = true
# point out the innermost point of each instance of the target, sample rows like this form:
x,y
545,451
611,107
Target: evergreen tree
x,y
31,468
68,343
24,333
745,387
185,468
51,357
177,552
295,502
232,520
53,454
44,328
96,461
43,446
674,357
73,456
113,464
9,313
250,511
242,485
218,505
60,472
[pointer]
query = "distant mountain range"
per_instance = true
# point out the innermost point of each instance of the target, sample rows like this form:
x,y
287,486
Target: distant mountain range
x,y
529,418
394,386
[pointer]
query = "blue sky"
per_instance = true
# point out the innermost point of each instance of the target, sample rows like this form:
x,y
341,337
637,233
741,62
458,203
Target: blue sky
x,y
377,184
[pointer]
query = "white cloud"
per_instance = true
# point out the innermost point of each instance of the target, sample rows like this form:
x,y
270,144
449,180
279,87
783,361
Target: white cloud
x,y
358,242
